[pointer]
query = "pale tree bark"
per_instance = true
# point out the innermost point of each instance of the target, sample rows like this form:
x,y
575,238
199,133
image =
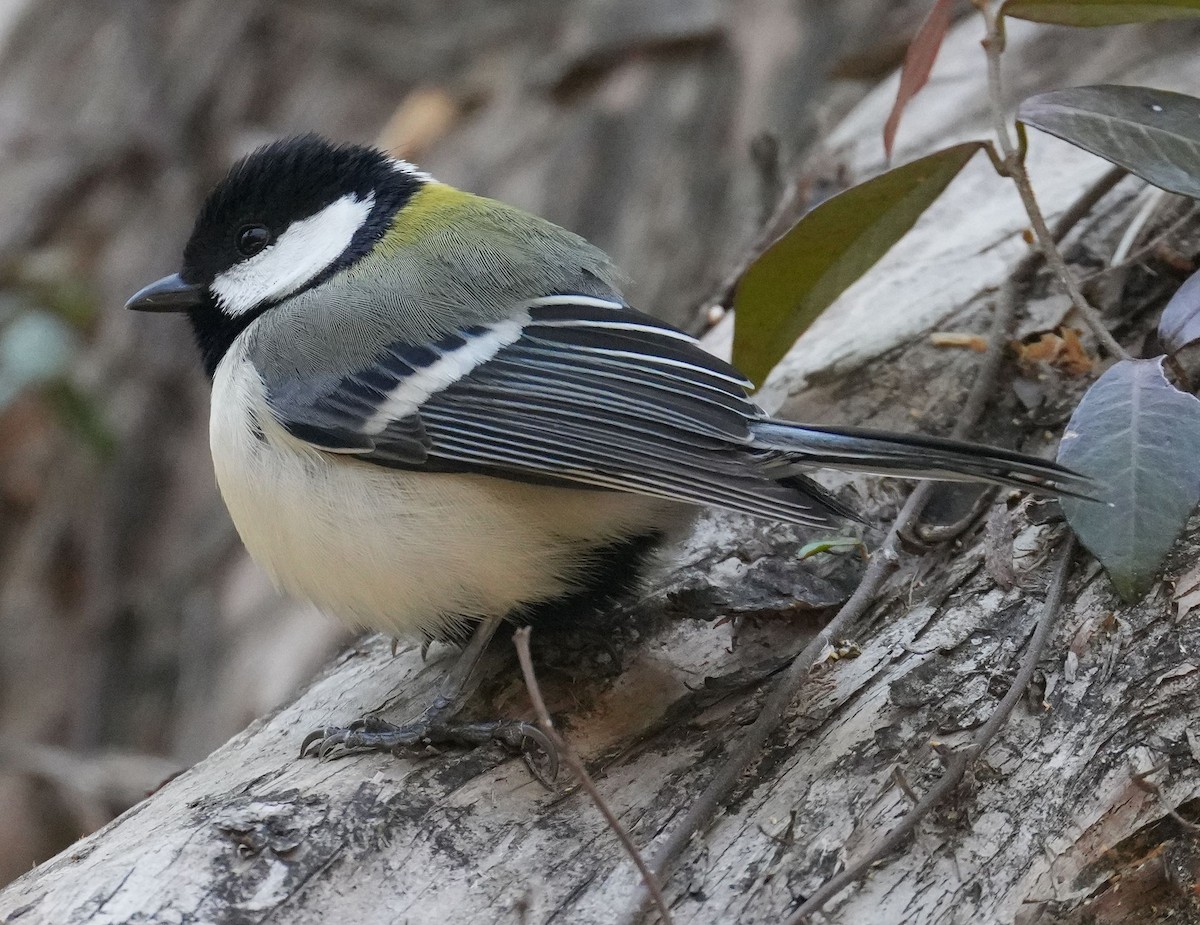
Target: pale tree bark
x,y
133,630
1054,824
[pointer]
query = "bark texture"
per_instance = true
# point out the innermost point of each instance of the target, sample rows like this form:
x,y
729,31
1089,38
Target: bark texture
x,y
1053,826
133,627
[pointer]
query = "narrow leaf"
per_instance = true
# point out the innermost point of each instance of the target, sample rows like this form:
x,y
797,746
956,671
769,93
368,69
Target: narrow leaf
x,y
802,273
1180,322
1140,437
918,62
1153,133
832,544
1099,12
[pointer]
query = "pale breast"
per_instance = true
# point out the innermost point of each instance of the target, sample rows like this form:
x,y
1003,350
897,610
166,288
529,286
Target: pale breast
x,y
400,552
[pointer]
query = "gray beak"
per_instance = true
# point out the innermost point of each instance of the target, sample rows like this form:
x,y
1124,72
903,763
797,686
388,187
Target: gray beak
x,y
170,294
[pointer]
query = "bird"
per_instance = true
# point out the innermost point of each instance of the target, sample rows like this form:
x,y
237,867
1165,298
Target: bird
x,y
432,412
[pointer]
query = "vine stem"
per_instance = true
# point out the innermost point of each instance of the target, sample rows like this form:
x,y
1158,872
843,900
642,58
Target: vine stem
x,y
958,761
885,561
1013,165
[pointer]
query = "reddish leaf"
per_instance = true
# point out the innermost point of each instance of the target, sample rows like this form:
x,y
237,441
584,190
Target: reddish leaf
x,y
918,62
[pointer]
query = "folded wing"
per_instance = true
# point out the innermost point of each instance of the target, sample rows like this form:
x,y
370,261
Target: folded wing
x,y
571,390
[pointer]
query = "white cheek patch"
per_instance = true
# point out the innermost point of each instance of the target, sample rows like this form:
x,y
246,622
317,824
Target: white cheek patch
x,y
301,253
407,397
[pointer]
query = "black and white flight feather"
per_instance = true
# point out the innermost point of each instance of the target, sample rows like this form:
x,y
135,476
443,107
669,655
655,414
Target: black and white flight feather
x,y
594,393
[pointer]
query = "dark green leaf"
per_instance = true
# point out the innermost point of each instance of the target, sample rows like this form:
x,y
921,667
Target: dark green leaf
x,y
1139,436
1099,12
802,273
1153,133
1180,322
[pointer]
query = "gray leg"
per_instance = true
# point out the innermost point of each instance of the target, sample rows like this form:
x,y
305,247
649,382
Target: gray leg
x,y
457,686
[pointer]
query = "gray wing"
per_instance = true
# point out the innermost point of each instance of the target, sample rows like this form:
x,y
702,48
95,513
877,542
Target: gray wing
x,y
571,390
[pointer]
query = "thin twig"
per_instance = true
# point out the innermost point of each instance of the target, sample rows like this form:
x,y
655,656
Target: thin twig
x,y
1014,165
749,747
1152,198
1006,305
1148,248
957,762
1081,207
960,760
521,641
883,562
1141,780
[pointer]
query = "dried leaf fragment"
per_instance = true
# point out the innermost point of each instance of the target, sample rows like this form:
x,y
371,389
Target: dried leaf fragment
x,y
976,342
1060,348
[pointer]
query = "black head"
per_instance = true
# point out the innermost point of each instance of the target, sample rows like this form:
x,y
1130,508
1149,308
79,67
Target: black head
x,y
283,220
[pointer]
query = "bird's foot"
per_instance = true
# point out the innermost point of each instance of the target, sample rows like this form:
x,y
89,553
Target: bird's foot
x,y
372,734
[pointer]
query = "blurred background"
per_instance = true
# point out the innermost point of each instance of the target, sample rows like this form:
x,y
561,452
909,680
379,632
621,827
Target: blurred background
x,y
135,636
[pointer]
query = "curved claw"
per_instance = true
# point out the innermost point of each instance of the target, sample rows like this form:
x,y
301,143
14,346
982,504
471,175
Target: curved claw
x,y
336,746
317,735
329,742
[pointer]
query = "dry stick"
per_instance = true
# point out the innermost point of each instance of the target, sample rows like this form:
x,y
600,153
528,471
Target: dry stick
x,y
959,760
521,641
885,561
1014,166
1141,779
882,563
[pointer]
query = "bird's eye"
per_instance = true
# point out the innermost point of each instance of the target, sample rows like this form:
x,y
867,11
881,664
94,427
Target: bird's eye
x,y
252,238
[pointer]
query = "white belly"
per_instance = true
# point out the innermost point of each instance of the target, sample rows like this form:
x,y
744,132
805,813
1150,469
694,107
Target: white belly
x,y
400,552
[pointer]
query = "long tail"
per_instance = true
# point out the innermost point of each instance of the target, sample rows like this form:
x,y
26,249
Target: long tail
x,y
792,447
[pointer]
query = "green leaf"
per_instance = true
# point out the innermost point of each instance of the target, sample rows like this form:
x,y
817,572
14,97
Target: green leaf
x,y
1099,12
1140,437
1153,133
833,544
802,273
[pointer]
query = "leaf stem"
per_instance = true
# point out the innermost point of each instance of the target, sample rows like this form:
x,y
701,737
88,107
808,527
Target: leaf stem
x,y
1014,168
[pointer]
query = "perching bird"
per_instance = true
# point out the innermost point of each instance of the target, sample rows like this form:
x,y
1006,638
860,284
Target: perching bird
x,y
432,411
